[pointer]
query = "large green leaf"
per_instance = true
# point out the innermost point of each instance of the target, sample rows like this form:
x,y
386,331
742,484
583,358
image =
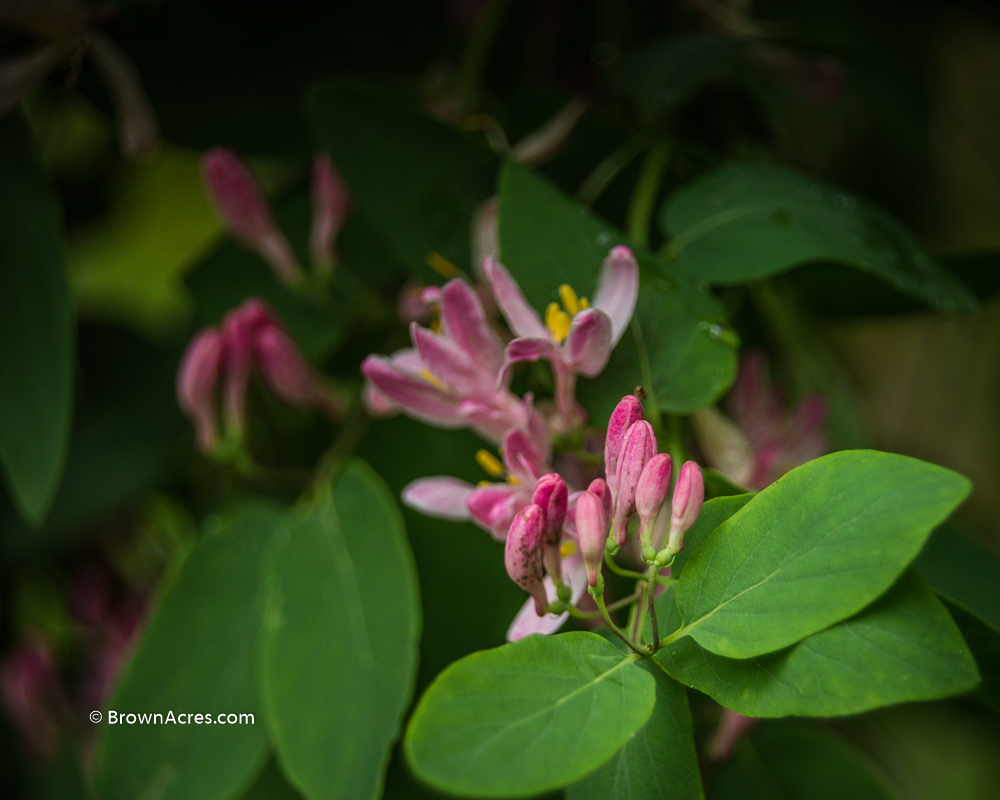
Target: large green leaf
x,y
983,639
659,760
795,760
744,222
36,336
678,346
811,549
340,639
713,514
197,657
418,180
904,647
528,717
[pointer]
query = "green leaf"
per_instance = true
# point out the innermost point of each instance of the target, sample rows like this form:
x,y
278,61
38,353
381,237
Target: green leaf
x,y
811,549
902,648
418,180
339,650
799,761
744,222
197,656
713,514
678,346
527,717
659,760
983,640
35,329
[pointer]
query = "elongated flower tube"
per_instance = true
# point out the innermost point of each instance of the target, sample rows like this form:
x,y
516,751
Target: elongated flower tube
x,y
628,411
577,339
331,204
689,495
650,494
244,209
197,379
592,530
638,447
523,554
552,496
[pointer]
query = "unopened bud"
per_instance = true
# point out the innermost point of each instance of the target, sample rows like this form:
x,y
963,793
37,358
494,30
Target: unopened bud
x,y
651,492
551,495
592,529
331,205
686,506
638,447
628,411
600,487
197,378
289,376
246,213
523,554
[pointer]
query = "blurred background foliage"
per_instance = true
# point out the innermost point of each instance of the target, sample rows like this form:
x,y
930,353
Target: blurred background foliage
x,y
896,102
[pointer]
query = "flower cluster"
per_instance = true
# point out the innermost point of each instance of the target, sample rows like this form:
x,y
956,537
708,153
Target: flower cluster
x,y
250,338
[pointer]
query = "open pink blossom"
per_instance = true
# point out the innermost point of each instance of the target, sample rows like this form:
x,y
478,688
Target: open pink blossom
x,y
449,379
576,340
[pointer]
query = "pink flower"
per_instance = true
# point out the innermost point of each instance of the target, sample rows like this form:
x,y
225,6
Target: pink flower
x,y
577,339
449,379
250,338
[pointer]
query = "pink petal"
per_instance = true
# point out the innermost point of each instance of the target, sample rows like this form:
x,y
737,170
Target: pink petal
x,y
523,457
450,363
465,322
527,621
588,343
618,289
528,350
521,317
197,378
289,376
443,497
493,506
412,394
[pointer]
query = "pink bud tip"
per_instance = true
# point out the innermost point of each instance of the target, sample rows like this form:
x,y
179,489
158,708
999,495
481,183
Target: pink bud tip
x,y
600,487
288,375
552,496
638,446
689,495
651,492
592,528
197,378
524,554
628,411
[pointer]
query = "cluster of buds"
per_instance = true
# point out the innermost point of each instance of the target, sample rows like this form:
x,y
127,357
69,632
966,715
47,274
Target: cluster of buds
x,y
249,338
247,216
637,483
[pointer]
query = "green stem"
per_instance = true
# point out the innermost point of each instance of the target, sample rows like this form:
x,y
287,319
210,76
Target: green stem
x,y
615,606
477,48
640,210
651,601
605,172
625,573
599,599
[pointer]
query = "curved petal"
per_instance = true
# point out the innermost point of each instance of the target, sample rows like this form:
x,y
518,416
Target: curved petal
x,y
617,289
466,324
494,505
451,364
521,317
411,393
523,457
528,350
441,496
588,343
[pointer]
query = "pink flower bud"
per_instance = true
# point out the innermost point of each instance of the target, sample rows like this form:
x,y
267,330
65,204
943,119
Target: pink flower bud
x,y
197,378
246,213
523,554
239,328
638,446
686,506
551,495
288,375
650,493
592,528
600,487
331,205
628,410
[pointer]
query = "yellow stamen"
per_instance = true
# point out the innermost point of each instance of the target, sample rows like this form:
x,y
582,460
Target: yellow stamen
x,y
485,483
490,463
558,322
566,549
514,480
442,266
432,379
569,299
584,304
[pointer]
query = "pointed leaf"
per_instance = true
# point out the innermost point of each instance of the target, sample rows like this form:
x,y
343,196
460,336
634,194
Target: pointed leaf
x,y
197,657
339,650
35,329
813,548
527,717
902,648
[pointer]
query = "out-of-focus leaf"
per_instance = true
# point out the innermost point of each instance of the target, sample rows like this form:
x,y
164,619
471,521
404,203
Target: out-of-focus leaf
x,y
36,336
983,640
418,180
271,784
744,222
343,621
196,657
